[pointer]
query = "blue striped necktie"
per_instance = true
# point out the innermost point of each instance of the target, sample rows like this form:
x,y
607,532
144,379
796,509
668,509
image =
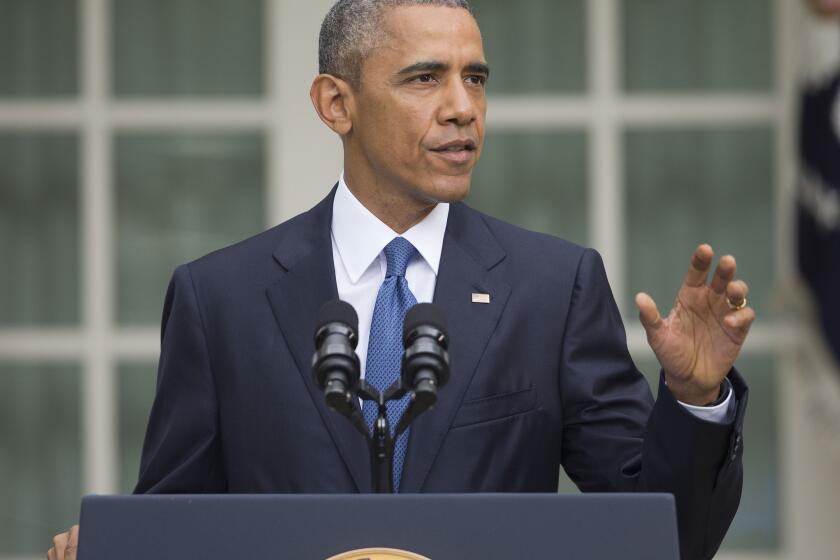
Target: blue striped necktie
x,y
385,345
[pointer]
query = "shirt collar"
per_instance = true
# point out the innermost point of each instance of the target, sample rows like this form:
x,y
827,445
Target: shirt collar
x,y
360,236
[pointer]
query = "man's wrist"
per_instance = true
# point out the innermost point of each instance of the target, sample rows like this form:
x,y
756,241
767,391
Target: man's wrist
x,y
725,389
688,394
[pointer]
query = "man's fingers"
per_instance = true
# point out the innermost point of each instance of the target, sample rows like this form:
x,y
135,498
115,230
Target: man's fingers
x,y
648,313
741,319
724,273
699,267
736,292
65,545
72,543
59,544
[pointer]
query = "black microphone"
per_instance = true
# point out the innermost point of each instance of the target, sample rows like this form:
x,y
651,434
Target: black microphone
x,y
425,365
335,365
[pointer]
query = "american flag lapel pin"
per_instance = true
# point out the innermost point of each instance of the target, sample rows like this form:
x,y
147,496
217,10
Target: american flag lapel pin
x,y
481,298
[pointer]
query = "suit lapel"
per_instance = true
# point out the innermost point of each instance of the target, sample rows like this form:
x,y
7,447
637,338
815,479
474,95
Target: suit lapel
x,y
307,281
469,252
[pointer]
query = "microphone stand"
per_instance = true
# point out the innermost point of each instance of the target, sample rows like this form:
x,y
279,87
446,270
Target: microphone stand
x,y
381,442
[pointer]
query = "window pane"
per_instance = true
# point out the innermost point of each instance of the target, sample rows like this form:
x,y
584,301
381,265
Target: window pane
x,y
713,45
188,47
536,180
180,196
758,522
40,446
39,48
136,392
39,229
534,46
685,187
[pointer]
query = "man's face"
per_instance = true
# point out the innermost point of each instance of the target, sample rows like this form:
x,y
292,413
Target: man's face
x,y
419,120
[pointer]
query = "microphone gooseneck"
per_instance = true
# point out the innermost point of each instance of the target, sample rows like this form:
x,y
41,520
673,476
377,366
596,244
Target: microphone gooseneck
x,y
335,370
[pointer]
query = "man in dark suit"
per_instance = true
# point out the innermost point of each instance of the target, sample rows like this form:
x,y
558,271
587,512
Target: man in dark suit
x,y
541,375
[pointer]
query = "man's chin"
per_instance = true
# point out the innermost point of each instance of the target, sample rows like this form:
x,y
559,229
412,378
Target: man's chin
x,y
447,189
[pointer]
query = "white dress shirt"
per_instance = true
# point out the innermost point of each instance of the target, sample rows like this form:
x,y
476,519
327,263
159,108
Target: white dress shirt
x,y
358,242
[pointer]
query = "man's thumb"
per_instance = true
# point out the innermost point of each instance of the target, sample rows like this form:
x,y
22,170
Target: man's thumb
x,y
648,313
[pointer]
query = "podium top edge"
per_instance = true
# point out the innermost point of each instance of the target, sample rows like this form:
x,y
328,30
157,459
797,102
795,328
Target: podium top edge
x,y
607,497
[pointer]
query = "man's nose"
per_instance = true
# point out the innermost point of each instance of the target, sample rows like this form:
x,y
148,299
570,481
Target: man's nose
x,y
458,105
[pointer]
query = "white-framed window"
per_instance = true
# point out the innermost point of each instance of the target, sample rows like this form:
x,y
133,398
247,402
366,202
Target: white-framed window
x,y
136,135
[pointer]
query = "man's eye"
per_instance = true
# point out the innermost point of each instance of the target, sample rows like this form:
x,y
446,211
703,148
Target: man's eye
x,y
477,80
425,79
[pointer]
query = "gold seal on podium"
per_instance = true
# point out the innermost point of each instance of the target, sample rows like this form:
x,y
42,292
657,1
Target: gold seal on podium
x,y
378,554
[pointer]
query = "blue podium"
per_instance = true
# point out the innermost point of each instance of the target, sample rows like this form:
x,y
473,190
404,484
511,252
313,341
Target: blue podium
x,y
435,526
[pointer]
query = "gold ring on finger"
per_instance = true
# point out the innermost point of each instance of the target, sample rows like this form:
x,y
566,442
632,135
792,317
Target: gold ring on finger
x,y
735,307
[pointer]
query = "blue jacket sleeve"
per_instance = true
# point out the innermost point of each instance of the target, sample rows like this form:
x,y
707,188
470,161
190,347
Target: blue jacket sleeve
x,y
182,449
616,439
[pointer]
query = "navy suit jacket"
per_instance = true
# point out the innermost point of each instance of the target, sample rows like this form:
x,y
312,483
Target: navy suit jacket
x,y
541,377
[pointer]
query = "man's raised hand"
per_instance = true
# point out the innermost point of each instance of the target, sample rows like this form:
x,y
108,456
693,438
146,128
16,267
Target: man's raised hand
x,y
699,340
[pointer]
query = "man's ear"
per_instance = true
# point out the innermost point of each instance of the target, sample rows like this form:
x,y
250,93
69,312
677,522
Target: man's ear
x,y
333,100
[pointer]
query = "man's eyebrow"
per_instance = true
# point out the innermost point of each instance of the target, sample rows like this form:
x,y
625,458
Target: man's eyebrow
x,y
438,66
478,68
424,66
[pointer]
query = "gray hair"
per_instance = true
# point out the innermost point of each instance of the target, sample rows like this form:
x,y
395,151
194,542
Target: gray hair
x,y
352,28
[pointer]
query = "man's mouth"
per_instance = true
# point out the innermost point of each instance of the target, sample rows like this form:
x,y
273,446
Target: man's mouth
x,y
458,151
